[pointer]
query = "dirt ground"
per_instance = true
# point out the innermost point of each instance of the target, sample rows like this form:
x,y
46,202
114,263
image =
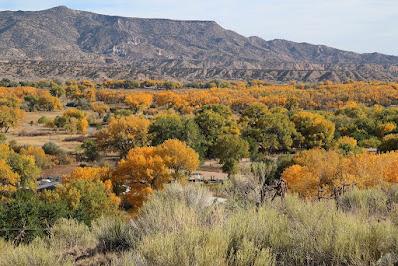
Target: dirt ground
x,y
212,170
58,170
20,133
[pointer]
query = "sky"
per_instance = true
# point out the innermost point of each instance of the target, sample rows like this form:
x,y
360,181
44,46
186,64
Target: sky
x,y
355,25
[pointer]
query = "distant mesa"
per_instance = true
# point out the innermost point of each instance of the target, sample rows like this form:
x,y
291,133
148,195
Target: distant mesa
x,y
79,44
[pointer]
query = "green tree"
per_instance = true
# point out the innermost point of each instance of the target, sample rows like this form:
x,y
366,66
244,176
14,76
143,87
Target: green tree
x,y
268,132
26,216
230,149
60,121
90,150
51,148
57,90
3,138
167,127
87,200
389,143
215,121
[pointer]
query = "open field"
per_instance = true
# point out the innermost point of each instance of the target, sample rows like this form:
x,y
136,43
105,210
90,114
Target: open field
x,y
21,134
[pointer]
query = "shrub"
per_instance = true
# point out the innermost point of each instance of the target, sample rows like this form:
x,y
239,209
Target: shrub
x,y
36,254
370,143
68,234
318,234
176,208
43,120
197,246
28,211
60,121
3,138
180,226
389,143
114,234
51,148
368,202
290,232
127,259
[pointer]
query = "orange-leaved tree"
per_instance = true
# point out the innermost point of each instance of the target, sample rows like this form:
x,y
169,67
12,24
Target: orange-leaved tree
x,y
139,101
143,170
146,169
178,156
324,173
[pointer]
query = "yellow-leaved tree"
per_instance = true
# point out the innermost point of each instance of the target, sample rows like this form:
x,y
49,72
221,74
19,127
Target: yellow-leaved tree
x,y
316,130
320,173
8,181
100,108
146,169
41,159
143,170
9,117
139,101
178,156
123,134
94,174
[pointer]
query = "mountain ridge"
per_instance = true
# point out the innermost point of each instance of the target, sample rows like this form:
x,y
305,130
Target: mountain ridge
x,y
167,48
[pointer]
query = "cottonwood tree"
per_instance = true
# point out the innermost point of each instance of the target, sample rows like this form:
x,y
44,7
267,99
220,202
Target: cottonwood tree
x,y
268,131
230,149
139,101
318,173
315,129
123,134
215,121
73,120
173,126
94,174
146,169
178,157
9,118
25,166
9,181
100,108
143,170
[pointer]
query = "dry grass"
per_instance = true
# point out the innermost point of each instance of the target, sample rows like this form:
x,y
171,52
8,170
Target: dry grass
x,y
178,227
20,133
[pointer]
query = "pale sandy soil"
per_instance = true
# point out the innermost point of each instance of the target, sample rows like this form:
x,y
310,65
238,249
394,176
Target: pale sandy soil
x,y
48,134
59,170
211,169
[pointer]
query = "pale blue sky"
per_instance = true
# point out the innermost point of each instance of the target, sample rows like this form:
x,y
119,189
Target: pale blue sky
x,y
356,25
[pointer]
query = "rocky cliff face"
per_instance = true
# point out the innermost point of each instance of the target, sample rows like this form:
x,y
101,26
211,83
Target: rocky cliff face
x,y
65,43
